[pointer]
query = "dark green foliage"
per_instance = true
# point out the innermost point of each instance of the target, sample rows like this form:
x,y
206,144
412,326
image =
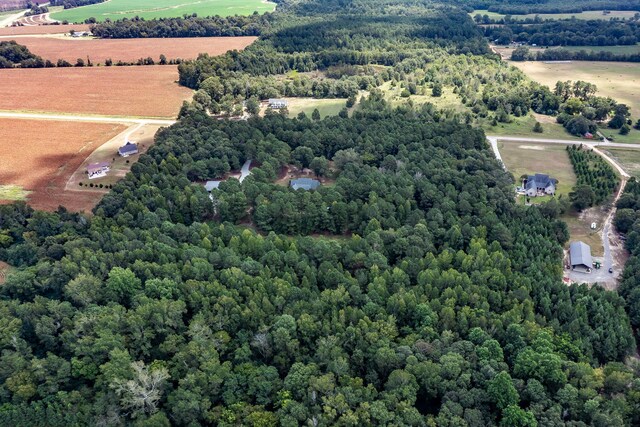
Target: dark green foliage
x,y
594,173
188,26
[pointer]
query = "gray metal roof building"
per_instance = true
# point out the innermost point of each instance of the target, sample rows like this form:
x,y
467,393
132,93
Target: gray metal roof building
x,y
304,183
580,255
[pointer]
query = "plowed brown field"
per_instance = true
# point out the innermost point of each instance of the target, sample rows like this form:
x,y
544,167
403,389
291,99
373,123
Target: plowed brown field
x,y
130,50
41,155
146,91
42,29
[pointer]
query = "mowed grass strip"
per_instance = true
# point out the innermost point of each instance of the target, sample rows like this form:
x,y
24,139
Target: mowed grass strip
x,y
149,9
130,50
527,158
147,91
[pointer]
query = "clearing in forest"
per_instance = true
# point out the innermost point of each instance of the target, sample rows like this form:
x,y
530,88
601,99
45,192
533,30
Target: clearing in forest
x,y
524,158
629,159
130,50
49,152
146,91
149,9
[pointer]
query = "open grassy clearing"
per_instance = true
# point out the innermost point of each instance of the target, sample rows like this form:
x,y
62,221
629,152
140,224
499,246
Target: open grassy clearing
x,y
618,50
149,91
149,9
448,99
130,50
523,158
523,126
619,80
613,135
587,15
13,192
629,159
326,107
49,152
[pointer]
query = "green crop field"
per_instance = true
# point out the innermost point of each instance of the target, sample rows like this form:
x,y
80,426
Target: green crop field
x,y
149,9
592,14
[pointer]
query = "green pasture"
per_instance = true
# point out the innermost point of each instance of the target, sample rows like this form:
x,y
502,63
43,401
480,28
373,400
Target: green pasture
x,y
149,9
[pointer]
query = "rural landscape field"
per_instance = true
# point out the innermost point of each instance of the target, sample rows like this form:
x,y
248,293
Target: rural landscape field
x,y
94,91
131,50
42,155
149,9
325,213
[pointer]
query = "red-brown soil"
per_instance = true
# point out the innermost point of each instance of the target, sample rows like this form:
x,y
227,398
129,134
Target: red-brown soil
x,y
130,50
41,155
145,91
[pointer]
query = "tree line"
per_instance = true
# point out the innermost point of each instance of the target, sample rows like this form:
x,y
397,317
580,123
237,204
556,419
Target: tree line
x,y
187,26
69,4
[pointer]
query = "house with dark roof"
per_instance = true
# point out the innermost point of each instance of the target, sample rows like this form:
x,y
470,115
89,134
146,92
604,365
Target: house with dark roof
x,y
580,257
277,104
128,149
98,170
539,185
304,184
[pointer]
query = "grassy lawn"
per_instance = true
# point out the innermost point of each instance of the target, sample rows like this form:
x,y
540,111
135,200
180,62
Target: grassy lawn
x,y
629,159
580,229
619,50
523,158
326,107
13,192
591,14
618,80
149,9
448,99
614,136
523,126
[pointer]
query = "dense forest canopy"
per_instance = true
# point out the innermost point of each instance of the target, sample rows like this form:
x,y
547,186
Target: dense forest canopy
x,y
407,290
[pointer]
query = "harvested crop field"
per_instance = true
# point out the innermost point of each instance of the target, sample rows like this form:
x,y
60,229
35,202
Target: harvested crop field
x,y
146,91
50,151
130,50
42,29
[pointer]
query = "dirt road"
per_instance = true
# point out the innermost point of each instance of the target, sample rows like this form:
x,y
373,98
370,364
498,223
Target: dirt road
x,y
85,118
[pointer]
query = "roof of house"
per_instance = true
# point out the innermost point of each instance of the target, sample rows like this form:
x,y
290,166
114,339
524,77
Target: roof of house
x,y
580,254
129,147
277,101
94,166
211,185
539,180
304,183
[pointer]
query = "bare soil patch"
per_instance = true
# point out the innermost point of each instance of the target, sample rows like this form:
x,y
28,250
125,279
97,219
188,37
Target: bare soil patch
x,y
4,269
42,29
146,91
130,50
41,155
